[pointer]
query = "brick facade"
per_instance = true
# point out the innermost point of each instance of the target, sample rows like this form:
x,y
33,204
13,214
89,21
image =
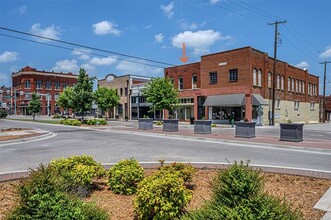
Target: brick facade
x,y
247,71
29,80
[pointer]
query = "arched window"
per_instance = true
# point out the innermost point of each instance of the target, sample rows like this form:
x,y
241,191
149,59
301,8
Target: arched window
x,y
300,91
282,83
297,85
254,77
259,78
293,84
278,81
289,84
27,84
303,87
269,79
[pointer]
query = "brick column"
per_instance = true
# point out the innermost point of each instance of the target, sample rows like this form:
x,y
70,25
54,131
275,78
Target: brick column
x,y
248,110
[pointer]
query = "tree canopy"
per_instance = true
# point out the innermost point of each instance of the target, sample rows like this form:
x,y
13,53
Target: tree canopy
x,y
83,93
161,93
34,105
65,99
106,98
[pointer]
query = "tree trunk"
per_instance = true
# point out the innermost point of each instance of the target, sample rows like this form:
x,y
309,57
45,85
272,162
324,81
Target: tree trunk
x,y
34,116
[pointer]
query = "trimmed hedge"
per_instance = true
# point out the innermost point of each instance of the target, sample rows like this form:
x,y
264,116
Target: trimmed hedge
x,y
96,121
73,122
3,113
185,171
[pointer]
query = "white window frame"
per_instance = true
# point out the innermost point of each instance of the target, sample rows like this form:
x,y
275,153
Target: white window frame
x,y
254,77
259,78
269,80
296,105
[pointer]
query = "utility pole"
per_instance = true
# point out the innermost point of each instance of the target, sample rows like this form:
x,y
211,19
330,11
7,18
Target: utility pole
x,y
274,71
324,80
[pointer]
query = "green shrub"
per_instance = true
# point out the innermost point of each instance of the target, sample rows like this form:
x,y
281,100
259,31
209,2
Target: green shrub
x,y
77,172
238,194
92,212
56,116
161,197
159,123
41,198
95,121
73,122
125,176
185,171
3,113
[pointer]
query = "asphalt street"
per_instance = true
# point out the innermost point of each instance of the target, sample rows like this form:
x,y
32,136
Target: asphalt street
x,y
111,145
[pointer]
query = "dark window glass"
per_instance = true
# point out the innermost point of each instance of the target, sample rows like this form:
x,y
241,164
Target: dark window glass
x,y
213,77
233,75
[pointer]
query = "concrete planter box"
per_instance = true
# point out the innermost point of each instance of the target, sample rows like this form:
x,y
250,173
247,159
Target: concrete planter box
x,y
202,127
245,129
291,132
170,125
145,123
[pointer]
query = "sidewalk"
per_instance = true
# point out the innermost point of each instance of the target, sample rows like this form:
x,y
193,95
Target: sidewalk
x,y
223,133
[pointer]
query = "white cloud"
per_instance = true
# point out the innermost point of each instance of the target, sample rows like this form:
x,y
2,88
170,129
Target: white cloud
x,y
88,68
5,79
158,38
302,65
127,67
187,26
81,53
214,1
199,41
49,32
103,61
168,9
8,56
326,53
23,9
106,27
66,66
148,26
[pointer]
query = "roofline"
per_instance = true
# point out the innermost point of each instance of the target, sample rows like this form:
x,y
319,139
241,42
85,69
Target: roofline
x,y
127,75
183,65
40,73
226,51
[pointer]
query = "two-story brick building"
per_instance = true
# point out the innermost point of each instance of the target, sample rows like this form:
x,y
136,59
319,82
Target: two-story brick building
x,y
239,82
48,85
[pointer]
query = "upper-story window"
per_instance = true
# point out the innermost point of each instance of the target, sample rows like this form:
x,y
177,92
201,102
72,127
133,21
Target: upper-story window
x,y
289,84
282,83
57,85
278,81
180,83
297,85
27,84
65,85
171,80
126,91
269,80
39,84
194,81
233,75
254,77
121,91
212,77
293,84
259,78
300,88
48,85
303,87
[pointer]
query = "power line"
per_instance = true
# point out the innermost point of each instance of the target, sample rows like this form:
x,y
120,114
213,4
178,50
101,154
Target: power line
x,y
84,46
75,49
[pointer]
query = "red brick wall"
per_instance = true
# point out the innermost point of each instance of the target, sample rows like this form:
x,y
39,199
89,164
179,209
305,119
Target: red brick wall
x,y
186,71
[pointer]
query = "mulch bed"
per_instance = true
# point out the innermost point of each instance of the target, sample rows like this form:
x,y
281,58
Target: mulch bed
x,y
301,192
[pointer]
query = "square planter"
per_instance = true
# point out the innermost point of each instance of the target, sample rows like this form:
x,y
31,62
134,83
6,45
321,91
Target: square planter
x,y
291,132
145,123
202,127
245,129
170,125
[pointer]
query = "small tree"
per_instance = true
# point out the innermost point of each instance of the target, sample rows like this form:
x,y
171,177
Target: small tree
x,y
106,98
34,105
83,93
65,99
162,94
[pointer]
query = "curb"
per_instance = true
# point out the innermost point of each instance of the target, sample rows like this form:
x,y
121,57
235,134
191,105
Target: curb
x,y
321,174
42,135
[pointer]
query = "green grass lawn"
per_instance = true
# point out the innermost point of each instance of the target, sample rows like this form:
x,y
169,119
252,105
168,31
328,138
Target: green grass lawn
x,y
38,121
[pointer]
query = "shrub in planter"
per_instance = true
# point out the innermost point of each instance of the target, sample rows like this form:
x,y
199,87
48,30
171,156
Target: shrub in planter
x,y
125,176
73,122
3,113
78,172
161,197
185,171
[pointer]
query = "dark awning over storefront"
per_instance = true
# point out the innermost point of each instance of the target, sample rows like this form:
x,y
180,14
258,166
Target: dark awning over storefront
x,y
233,100
259,100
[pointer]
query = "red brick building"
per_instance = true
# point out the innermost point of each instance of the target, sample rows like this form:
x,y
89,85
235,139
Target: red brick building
x,y
239,82
48,84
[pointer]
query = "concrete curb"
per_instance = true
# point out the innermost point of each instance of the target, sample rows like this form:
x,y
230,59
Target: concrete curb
x,y
322,174
42,135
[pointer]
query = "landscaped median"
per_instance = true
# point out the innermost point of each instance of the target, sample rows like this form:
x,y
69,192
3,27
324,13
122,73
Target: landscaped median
x,y
169,191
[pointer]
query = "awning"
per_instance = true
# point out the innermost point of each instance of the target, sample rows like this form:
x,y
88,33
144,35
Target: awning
x,y
259,100
233,100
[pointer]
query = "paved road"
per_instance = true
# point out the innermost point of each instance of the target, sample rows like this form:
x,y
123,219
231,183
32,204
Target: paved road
x,y
111,145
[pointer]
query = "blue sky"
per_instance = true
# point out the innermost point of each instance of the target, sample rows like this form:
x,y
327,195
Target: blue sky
x,y
155,30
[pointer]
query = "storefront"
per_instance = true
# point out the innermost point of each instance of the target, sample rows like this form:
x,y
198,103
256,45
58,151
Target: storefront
x,y
186,110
